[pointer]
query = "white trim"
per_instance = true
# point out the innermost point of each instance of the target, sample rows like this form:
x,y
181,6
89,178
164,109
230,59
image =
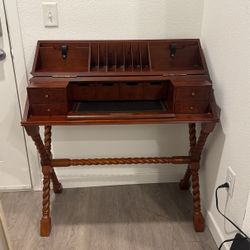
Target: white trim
x,y
246,221
126,176
16,41
15,188
215,230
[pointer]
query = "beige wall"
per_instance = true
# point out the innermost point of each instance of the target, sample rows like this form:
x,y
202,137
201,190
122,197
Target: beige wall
x,y
226,39
113,19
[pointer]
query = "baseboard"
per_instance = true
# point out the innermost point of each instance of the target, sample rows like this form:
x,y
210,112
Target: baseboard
x,y
15,188
119,177
215,230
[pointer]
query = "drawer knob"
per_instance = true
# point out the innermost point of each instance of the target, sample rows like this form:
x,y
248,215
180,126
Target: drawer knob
x,y
46,96
193,93
191,108
48,110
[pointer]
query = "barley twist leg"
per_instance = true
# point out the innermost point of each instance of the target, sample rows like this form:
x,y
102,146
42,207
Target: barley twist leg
x,y
185,182
45,223
57,186
198,219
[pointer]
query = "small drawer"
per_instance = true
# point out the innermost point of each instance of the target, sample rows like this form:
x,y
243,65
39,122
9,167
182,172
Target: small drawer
x,y
131,91
191,107
49,109
44,96
107,91
155,90
82,91
200,93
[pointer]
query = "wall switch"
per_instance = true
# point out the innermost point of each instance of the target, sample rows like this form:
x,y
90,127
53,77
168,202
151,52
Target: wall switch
x,y
230,180
50,15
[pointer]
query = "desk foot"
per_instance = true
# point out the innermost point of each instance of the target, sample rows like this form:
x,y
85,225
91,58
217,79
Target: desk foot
x,y
199,223
45,227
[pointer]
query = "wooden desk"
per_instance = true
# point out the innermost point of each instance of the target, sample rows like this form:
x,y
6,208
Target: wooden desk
x,y
119,82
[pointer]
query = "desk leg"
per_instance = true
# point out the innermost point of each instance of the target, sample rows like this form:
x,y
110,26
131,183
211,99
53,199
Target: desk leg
x,y
57,186
198,219
185,182
45,223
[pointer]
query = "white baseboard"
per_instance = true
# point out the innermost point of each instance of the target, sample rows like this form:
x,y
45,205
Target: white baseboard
x,y
91,181
215,230
14,188
119,176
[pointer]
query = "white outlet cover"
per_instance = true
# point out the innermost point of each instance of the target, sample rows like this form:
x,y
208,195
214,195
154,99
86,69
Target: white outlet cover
x,y
231,180
50,14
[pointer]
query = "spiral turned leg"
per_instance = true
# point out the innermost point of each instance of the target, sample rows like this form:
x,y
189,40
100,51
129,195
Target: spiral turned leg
x,y
198,219
185,182
45,223
57,186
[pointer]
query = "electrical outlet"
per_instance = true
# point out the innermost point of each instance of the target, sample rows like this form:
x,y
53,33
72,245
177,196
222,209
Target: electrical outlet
x,y
50,15
230,180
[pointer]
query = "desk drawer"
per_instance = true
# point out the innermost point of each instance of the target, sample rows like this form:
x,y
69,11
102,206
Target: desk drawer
x,y
94,91
49,109
191,107
131,91
200,93
155,90
45,96
82,91
107,91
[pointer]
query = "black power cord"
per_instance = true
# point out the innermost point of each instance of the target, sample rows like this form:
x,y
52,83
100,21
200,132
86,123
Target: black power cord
x,y
226,185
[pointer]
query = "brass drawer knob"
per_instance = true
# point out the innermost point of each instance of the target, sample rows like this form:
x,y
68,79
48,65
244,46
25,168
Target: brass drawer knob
x,y
191,108
46,96
48,110
193,93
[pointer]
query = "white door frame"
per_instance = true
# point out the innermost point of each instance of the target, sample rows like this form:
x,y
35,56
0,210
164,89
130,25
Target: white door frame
x,y
21,75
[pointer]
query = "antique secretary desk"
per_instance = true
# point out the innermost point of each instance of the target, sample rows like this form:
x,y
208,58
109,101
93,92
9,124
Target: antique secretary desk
x,y
119,82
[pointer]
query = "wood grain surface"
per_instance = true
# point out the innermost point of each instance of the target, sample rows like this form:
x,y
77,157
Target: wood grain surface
x,y
135,217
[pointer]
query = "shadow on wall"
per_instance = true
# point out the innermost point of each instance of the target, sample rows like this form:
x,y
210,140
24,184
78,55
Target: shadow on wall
x,y
211,163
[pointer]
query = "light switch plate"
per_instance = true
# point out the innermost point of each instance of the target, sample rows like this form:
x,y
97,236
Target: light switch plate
x,y
50,15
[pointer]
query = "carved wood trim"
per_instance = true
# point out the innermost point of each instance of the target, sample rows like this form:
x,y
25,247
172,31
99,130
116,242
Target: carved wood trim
x,y
33,132
47,139
57,186
46,192
206,129
197,215
184,183
116,161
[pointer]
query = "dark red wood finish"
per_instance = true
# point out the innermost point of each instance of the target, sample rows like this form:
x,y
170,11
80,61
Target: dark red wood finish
x,y
70,72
